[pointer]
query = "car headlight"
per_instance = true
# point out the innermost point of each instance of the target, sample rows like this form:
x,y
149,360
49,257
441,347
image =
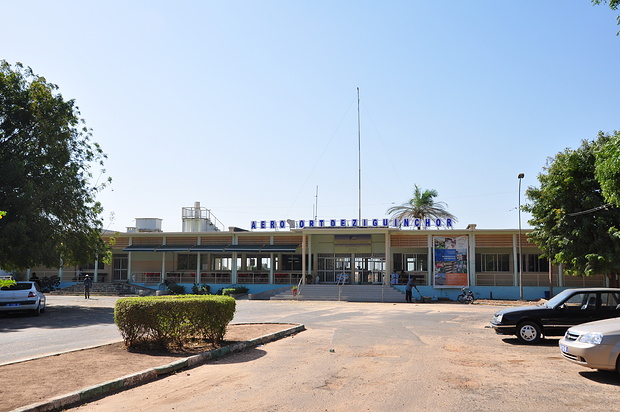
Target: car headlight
x,y
498,318
593,338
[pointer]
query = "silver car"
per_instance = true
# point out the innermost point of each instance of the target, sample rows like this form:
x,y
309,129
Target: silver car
x,y
595,345
22,296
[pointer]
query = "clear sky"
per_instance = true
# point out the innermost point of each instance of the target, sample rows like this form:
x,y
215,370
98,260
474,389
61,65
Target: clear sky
x,y
249,106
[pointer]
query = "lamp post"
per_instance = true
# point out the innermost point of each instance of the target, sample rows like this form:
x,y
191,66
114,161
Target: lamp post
x,y
520,177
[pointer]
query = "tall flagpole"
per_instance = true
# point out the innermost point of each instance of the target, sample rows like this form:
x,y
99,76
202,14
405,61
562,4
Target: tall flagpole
x,y
359,160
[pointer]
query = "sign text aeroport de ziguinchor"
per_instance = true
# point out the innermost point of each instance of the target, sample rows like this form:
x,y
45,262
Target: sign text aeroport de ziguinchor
x,y
353,223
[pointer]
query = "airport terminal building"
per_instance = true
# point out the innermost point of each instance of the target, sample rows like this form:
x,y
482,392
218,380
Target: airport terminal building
x,y
275,254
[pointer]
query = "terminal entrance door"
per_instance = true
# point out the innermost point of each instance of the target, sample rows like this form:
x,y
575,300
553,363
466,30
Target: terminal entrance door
x,y
353,268
334,267
369,268
119,267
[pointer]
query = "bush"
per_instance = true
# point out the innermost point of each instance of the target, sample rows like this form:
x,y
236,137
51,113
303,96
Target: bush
x,y
49,283
168,321
175,288
233,290
203,289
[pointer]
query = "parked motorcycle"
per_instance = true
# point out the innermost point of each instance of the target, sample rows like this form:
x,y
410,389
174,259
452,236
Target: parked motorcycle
x,y
466,296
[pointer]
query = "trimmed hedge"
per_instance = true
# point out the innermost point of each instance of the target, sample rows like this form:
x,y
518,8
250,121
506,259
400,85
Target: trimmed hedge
x,y
173,320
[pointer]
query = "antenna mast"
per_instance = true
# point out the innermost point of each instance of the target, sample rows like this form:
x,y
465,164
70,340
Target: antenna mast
x,y
316,202
359,159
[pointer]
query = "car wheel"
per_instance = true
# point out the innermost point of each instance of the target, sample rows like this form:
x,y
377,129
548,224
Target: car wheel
x,y
618,364
529,332
37,311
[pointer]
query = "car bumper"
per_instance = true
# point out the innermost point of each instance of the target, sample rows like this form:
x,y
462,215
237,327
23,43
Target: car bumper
x,y
589,355
9,306
503,329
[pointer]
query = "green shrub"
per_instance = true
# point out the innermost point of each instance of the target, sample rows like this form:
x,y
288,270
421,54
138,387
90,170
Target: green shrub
x,y
49,283
203,289
234,290
168,321
174,287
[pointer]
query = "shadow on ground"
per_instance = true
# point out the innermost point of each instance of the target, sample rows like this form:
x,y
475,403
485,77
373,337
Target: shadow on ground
x,y
58,317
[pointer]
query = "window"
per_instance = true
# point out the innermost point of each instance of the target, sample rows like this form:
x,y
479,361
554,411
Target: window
x,y
533,263
610,301
222,262
185,261
257,263
411,262
577,301
416,263
492,262
291,262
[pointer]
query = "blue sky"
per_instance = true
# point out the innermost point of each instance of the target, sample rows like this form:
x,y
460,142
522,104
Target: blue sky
x,y
249,106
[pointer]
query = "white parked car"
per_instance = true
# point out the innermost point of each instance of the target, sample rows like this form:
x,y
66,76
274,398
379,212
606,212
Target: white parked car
x,y
595,345
22,296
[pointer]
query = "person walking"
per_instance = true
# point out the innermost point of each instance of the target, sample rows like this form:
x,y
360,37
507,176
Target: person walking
x,y
408,288
88,283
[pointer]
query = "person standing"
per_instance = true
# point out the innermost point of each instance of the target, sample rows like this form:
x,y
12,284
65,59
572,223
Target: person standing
x,y
394,278
408,288
88,283
35,278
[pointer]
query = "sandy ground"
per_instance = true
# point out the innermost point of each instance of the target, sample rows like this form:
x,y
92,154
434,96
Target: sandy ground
x,y
37,380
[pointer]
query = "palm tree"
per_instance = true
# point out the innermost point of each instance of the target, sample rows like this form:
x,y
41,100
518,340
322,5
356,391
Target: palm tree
x,y
422,205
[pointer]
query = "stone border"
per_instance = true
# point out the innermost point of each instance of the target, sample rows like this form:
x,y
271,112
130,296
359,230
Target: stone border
x,y
139,378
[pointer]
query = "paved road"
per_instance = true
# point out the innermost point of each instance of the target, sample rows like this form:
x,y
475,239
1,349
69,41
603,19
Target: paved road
x,y
69,322
379,357
353,356
72,322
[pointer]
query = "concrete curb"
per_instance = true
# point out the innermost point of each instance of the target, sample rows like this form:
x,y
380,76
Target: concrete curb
x,y
135,379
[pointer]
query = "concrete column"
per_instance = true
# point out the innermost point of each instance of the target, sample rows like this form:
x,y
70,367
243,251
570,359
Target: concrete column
x,y
96,274
303,258
388,259
163,266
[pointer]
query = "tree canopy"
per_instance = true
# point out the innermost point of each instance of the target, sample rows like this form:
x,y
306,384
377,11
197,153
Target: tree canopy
x,y
607,170
573,224
46,157
421,205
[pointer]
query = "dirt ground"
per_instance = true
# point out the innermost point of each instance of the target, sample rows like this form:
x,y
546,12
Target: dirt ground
x,y
52,376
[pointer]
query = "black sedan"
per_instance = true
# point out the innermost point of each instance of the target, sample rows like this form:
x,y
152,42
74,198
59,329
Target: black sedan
x,y
552,318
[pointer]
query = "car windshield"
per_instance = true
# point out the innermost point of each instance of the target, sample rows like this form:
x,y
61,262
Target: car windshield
x,y
18,286
557,299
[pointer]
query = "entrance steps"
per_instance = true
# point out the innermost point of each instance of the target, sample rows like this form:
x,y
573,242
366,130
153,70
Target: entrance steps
x,y
345,293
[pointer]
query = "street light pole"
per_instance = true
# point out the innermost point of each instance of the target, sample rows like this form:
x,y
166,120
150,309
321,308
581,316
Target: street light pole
x,y
520,262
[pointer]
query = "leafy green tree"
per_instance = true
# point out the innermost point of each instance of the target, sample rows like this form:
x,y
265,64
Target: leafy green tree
x,y
607,170
422,205
571,222
46,157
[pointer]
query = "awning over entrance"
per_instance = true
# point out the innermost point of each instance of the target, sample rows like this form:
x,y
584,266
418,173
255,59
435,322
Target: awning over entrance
x,y
173,248
279,248
243,248
139,248
207,248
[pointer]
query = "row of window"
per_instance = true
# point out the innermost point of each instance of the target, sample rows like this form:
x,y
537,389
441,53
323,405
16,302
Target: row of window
x,y
500,262
215,262
409,262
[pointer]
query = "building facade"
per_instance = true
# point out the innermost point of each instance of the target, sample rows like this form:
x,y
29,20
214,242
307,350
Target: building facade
x,y
274,254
